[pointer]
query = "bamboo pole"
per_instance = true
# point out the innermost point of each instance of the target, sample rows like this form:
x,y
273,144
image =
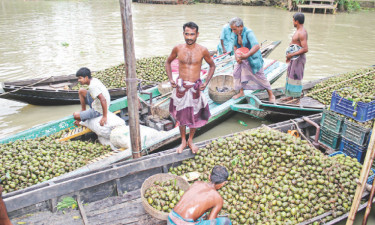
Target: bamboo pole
x,y
131,77
362,179
369,204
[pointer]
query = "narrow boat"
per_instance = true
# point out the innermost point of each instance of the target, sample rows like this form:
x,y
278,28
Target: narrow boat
x,y
165,135
57,90
257,104
112,195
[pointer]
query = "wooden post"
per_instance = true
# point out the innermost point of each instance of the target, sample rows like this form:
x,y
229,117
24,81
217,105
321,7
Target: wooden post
x,y
363,178
131,77
369,204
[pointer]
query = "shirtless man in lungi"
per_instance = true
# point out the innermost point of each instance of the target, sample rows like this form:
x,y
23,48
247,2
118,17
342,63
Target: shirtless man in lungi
x,y
199,198
188,106
296,58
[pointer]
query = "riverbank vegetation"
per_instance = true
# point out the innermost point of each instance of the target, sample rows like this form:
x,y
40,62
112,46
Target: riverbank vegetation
x,y
343,5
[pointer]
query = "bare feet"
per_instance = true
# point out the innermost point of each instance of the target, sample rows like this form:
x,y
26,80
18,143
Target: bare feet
x,y
193,147
238,95
286,99
272,99
181,147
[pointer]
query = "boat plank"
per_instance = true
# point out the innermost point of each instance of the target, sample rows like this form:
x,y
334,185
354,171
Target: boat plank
x,y
129,212
71,217
113,200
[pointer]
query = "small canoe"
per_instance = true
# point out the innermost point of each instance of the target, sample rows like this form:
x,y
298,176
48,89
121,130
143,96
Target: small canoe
x,y
57,90
112,195
257,104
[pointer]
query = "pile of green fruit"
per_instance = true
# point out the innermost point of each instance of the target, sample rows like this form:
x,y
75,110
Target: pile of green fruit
x,y
362,87
276,178
28,162
163,196
150,70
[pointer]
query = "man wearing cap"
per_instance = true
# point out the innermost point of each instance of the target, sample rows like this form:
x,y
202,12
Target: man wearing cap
x,y
296,58
248,73
199,198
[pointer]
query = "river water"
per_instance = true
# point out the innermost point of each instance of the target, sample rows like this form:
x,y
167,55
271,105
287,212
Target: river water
x,y
46,38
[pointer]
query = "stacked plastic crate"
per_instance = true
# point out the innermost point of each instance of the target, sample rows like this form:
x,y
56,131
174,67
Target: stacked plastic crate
x,y
331,127
355,136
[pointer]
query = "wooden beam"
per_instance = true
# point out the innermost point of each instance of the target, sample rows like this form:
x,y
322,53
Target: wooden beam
x,y
131,77
363,178
82,211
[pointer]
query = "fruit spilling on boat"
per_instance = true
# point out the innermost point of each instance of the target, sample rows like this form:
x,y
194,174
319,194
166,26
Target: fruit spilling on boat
x,y
28,162
163,196
150,70
361,88
276,178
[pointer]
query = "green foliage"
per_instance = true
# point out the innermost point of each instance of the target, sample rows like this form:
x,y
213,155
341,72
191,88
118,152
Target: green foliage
x,y
67,202
350,5
299,1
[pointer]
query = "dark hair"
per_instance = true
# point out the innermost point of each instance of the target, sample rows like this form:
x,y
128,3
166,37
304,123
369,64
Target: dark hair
x,y
299,17
219,174
191,25
83,72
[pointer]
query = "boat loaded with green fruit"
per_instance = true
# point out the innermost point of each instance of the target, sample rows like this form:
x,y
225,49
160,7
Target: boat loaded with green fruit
x,y
53,154
63,90
275,178
356,86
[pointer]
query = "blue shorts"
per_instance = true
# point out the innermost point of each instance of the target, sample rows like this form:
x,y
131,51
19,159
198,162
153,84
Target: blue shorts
x,y
90,113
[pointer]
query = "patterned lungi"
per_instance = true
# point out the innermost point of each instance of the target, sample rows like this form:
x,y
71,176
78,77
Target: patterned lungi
x,y
245,79
188,106
293,87
175,219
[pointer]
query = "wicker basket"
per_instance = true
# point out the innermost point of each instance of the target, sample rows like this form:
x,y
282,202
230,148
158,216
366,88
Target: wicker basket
x,y
164,87
221,81
182,183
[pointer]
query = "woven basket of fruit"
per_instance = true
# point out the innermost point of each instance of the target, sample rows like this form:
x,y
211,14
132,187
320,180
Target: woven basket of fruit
x,y
161,192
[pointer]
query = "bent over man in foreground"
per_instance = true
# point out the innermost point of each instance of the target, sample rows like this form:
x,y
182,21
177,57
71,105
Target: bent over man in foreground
x,y
201,197
188,106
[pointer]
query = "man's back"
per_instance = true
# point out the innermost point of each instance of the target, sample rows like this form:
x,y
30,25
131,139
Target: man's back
x,y
197,200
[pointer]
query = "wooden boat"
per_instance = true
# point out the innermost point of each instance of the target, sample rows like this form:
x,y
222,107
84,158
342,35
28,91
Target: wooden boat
x,y
273,70
257,104
111,195
56,90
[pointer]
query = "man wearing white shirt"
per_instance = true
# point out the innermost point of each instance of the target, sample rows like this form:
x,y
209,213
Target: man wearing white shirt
x,y
97,97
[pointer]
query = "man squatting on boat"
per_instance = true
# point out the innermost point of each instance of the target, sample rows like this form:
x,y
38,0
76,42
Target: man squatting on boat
x,y
187,105
248,73
97,97
199,198
296,58
4,220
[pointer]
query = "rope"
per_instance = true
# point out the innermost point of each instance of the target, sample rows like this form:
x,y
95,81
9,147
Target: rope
x,y
26,86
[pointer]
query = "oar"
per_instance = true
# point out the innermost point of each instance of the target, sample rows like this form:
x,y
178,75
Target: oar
x,y
362,179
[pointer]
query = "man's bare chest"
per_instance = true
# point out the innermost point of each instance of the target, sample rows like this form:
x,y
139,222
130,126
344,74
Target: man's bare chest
x,y
190,58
